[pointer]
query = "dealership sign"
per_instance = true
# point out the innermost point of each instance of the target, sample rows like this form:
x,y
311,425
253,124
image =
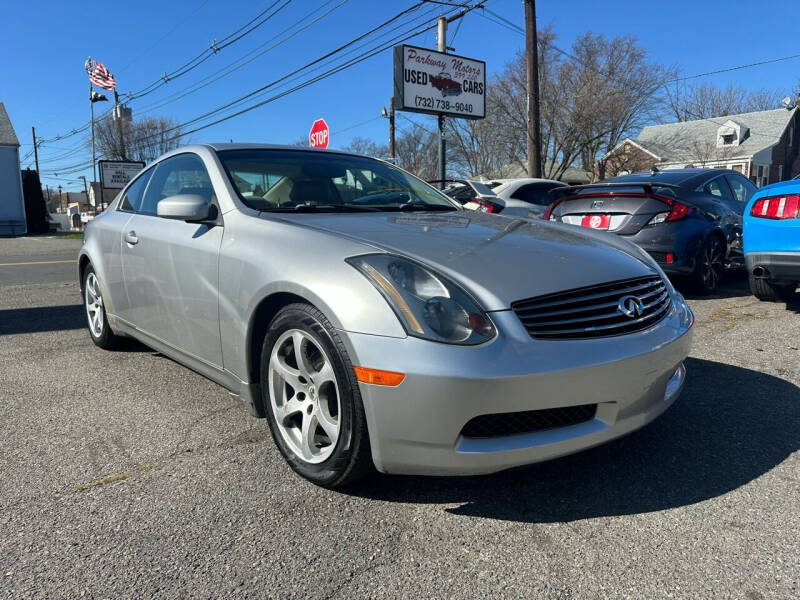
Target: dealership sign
x,y
433,82
115,174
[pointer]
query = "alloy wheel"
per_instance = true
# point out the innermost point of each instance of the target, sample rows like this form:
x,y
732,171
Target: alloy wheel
x,y
94,305
304,396
712,263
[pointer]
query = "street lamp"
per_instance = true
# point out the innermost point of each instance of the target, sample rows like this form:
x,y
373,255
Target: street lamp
x,y
60,199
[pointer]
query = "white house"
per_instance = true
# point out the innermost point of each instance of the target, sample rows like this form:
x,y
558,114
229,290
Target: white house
x,y
12,203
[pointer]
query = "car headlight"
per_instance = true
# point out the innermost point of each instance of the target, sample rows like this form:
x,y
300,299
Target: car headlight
x,y
428,305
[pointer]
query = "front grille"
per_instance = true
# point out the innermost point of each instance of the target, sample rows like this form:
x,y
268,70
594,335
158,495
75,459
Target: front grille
x,y
593,311
500,424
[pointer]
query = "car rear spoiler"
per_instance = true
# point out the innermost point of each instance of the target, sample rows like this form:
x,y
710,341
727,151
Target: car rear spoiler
x,y
647,186
608,189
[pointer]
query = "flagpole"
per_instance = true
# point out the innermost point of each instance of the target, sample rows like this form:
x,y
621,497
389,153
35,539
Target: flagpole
x,y
94,167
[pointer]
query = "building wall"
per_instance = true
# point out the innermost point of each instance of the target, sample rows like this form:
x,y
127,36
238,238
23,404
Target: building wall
x,y
12,204
625,159
787,155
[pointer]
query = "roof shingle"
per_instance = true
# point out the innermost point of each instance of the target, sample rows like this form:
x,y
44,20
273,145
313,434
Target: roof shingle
x,y
693,140
7,135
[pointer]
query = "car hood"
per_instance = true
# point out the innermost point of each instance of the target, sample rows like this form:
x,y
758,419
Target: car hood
x,y
498,260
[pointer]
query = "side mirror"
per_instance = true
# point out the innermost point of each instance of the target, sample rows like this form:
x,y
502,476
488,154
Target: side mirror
x,y
184,207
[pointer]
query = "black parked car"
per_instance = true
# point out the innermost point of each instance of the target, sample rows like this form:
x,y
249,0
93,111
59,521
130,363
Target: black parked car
x,y
689,220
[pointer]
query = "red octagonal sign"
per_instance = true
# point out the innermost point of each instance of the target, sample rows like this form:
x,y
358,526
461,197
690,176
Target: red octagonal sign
x,y
319,136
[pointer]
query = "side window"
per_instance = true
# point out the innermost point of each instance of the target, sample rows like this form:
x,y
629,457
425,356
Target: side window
x,y
181,174
718,188
741,187
133,195
535,194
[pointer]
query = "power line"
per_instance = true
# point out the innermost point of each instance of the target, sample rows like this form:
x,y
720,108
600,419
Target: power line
x,y
209,52
217,75
349,127
333,70
736,68
296,71
188,66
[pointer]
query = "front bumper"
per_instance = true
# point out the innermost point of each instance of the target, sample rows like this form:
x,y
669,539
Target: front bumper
x,y
780,266
415,428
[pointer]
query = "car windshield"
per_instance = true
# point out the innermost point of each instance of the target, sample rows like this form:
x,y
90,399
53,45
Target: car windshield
x,y
303,181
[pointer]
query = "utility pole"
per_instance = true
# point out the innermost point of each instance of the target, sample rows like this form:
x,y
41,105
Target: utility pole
x,y
532,57
47,188
35,150
86,191
441,42
118,119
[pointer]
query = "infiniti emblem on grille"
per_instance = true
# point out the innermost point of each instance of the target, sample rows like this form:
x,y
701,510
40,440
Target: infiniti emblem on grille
x,y
630,306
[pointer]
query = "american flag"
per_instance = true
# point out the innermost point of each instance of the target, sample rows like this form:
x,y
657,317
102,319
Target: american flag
x,y
99,75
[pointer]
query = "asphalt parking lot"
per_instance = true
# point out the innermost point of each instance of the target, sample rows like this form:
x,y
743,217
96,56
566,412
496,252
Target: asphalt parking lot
x,y
126,475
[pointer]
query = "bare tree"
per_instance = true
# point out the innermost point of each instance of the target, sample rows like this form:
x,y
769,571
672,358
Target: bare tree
x,y
416,150
367,147
591,98
690,102
145,140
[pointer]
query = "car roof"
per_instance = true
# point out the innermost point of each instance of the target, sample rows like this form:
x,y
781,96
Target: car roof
x,y
222,146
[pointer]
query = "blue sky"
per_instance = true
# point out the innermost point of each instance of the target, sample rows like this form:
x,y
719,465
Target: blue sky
x,y
43,82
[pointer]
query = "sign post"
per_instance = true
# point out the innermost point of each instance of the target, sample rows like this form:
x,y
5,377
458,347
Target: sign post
x,y
319,136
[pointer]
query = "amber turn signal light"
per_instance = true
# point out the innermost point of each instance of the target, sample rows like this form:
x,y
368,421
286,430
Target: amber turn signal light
x,y
378,377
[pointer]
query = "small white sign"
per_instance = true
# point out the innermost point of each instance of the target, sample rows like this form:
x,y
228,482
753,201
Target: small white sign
x,y
433,82
115,174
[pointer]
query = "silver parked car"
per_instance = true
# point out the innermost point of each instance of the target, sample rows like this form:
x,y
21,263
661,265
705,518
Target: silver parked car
x,y
373,321
526,196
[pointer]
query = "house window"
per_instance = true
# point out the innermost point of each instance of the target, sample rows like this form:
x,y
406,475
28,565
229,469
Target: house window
x,y
737,168
728,139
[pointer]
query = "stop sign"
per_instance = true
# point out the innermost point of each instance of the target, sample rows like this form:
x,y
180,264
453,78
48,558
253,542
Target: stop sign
x,y
319,135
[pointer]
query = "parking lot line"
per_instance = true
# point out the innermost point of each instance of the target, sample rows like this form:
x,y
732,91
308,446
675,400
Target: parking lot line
x,y
39,262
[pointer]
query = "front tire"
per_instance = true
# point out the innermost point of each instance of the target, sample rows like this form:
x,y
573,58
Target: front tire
x,y
312,400
95,308
771,292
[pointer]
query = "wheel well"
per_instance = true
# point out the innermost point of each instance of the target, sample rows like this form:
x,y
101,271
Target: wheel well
x,y
82,264
259,324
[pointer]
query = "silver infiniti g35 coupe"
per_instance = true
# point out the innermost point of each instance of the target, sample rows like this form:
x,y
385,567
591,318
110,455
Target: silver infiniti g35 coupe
x,y
376,324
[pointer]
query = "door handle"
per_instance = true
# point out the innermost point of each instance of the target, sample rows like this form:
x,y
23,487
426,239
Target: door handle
x,y
131,238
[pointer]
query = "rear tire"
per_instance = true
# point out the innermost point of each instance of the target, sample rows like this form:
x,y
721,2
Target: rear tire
x,y
709,266
771,292
312,400
95,309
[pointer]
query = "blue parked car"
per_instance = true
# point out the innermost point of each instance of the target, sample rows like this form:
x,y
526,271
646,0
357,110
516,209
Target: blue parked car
x,y
772,240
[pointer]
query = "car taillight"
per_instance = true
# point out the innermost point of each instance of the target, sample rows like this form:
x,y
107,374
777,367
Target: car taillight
x,y
678,211
777,207
486,207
